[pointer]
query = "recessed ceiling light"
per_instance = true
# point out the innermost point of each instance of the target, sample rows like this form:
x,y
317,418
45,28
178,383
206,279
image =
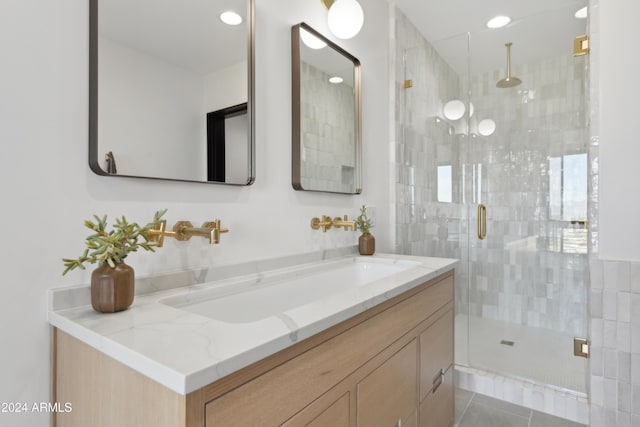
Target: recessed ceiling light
x,y
336,80
498,22
231,18
582,13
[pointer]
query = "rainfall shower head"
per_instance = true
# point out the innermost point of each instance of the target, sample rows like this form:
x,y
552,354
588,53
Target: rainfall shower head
x,y
508,81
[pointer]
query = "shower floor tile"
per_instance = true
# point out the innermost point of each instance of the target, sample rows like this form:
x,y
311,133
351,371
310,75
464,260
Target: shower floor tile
x,y
540,355
476,410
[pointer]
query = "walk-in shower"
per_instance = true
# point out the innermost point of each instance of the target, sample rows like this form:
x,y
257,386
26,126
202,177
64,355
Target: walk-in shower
x,y
503,188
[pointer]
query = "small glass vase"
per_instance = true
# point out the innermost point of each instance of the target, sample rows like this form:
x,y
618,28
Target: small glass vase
x,y
112,289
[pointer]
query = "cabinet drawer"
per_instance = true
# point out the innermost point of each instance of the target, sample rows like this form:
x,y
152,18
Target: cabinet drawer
x,y
437,408
436,352
389,393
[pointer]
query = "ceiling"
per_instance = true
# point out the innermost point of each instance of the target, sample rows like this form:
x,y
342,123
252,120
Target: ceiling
x,y
538,29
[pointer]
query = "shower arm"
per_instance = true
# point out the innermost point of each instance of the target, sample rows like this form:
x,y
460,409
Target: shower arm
x,y
508,45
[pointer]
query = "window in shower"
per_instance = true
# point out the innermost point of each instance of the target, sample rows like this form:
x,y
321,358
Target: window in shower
x,y
445,187
568,204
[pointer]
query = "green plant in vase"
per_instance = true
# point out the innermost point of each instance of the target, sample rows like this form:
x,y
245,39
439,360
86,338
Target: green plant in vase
x,y
112,282
366,241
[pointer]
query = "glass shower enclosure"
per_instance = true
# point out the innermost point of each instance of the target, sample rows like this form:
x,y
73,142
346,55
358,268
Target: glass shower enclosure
x,y
497,177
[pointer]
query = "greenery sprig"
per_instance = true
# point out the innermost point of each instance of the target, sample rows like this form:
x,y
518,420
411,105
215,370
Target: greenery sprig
x,y
113,246
363,222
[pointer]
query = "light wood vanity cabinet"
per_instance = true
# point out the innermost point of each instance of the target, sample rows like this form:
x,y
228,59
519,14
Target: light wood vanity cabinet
x,y
380,368
387,397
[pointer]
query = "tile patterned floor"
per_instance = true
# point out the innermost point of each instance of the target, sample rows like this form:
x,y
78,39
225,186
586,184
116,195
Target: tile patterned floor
x,y
476,410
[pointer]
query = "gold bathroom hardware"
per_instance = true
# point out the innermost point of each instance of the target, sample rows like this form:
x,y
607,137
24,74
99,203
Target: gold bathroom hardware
x,y
344,223
482,221
581,347
217,229
184,230
408,84
581,45
326,3
324,224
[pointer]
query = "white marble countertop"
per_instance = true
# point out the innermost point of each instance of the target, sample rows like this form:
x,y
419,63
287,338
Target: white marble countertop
x,y
185,351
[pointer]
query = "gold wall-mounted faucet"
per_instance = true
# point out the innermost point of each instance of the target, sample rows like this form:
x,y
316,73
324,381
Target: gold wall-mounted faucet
x,y
184,230
217,230
324,224
344,223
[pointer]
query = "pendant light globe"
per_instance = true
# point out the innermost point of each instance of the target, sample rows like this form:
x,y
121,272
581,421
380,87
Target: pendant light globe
x,y
345,18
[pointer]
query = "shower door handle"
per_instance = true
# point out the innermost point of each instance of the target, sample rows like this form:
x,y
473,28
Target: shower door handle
x,y
482,221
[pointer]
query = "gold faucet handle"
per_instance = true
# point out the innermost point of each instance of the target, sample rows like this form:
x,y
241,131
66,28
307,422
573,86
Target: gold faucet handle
x,y
158,232
325,223
216,230
344,223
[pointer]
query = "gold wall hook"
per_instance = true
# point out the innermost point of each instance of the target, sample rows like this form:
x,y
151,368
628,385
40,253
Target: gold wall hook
x,y
323,224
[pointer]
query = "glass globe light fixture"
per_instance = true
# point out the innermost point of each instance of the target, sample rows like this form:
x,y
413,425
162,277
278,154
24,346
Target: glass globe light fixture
x,y
486,127
345,18
454,109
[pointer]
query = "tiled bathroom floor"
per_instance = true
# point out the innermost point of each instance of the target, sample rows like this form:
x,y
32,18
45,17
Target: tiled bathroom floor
x,y
476,410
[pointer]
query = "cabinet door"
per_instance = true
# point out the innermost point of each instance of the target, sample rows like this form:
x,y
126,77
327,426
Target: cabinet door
x,y
334,415
412,421
436,352
437,408
389,394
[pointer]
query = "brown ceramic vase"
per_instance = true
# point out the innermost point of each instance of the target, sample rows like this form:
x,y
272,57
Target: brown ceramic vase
x,y
112,289
367,244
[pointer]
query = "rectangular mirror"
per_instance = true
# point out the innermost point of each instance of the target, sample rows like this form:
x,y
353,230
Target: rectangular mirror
x,y
326,146
171,90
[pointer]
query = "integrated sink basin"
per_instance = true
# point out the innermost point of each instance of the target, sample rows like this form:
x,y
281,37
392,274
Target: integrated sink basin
x,y
255,300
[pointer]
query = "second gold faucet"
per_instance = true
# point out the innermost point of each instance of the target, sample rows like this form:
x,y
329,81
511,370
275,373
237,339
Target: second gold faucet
x,y
326,223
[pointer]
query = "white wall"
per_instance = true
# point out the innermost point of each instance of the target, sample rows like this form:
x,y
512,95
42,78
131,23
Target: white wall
x,y
151,114
226,87
48,189
619,142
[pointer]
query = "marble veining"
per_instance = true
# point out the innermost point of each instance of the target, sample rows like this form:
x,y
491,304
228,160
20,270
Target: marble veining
x,y
185,351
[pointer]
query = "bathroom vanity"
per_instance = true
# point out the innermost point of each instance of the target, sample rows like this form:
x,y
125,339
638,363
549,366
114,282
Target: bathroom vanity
x,y
375,352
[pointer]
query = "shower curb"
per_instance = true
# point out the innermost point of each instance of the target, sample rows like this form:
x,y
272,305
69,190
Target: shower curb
x,y
570,405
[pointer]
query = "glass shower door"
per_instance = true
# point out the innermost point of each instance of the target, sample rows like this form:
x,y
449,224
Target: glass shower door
x,y
526,191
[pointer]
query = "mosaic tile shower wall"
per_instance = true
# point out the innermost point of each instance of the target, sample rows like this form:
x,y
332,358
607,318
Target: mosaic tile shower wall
x,y
423,141
328,148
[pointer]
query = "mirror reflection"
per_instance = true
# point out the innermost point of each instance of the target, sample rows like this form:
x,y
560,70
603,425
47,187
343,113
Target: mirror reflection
x,y
169,99
326,114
